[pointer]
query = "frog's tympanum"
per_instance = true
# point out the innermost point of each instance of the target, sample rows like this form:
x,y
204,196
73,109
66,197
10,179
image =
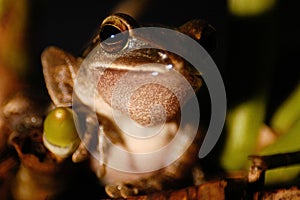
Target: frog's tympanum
x,y
60,70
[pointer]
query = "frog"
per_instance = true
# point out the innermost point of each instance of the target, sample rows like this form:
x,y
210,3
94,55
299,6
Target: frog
x,y
60,70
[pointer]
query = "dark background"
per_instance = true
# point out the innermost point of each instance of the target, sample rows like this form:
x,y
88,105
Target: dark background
x,y
70,24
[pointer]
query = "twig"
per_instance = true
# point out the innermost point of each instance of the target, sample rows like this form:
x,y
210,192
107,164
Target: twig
x,y
261,163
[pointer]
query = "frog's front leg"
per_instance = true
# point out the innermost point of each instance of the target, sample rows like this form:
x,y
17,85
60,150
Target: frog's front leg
x,y
87,138
159,181
183,172
81,152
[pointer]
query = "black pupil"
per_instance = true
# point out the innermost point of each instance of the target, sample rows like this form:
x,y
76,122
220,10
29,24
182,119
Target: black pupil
x,y
112,38
109,32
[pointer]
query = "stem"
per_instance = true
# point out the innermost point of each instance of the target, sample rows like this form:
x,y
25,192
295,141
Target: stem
x,y
262,163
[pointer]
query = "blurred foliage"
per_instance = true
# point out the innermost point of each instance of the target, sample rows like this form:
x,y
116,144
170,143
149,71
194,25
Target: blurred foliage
x,y
253,50
251,60
13,35
250,7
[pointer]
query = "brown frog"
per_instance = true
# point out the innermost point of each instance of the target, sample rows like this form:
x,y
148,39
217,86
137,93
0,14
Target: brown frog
x,y
61,71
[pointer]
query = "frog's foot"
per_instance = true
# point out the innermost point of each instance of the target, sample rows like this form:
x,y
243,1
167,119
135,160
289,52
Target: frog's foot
x,y
120,190
198,175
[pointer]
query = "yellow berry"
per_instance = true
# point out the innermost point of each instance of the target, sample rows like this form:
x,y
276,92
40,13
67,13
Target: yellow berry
x,y
59,127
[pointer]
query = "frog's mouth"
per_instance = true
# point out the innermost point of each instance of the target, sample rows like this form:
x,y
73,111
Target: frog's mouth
x,y
141,67
144,60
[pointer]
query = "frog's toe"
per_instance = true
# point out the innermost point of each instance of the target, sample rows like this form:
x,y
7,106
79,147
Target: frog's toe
x,y
120,190
198,175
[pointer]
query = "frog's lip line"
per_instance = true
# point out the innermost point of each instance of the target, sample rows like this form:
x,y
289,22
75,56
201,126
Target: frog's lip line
x,y
151,67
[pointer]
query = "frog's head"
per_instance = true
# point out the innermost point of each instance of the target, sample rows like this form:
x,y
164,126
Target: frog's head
x,y
60,70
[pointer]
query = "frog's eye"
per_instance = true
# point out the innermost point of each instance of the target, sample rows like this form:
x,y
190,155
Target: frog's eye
x,y
112,38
